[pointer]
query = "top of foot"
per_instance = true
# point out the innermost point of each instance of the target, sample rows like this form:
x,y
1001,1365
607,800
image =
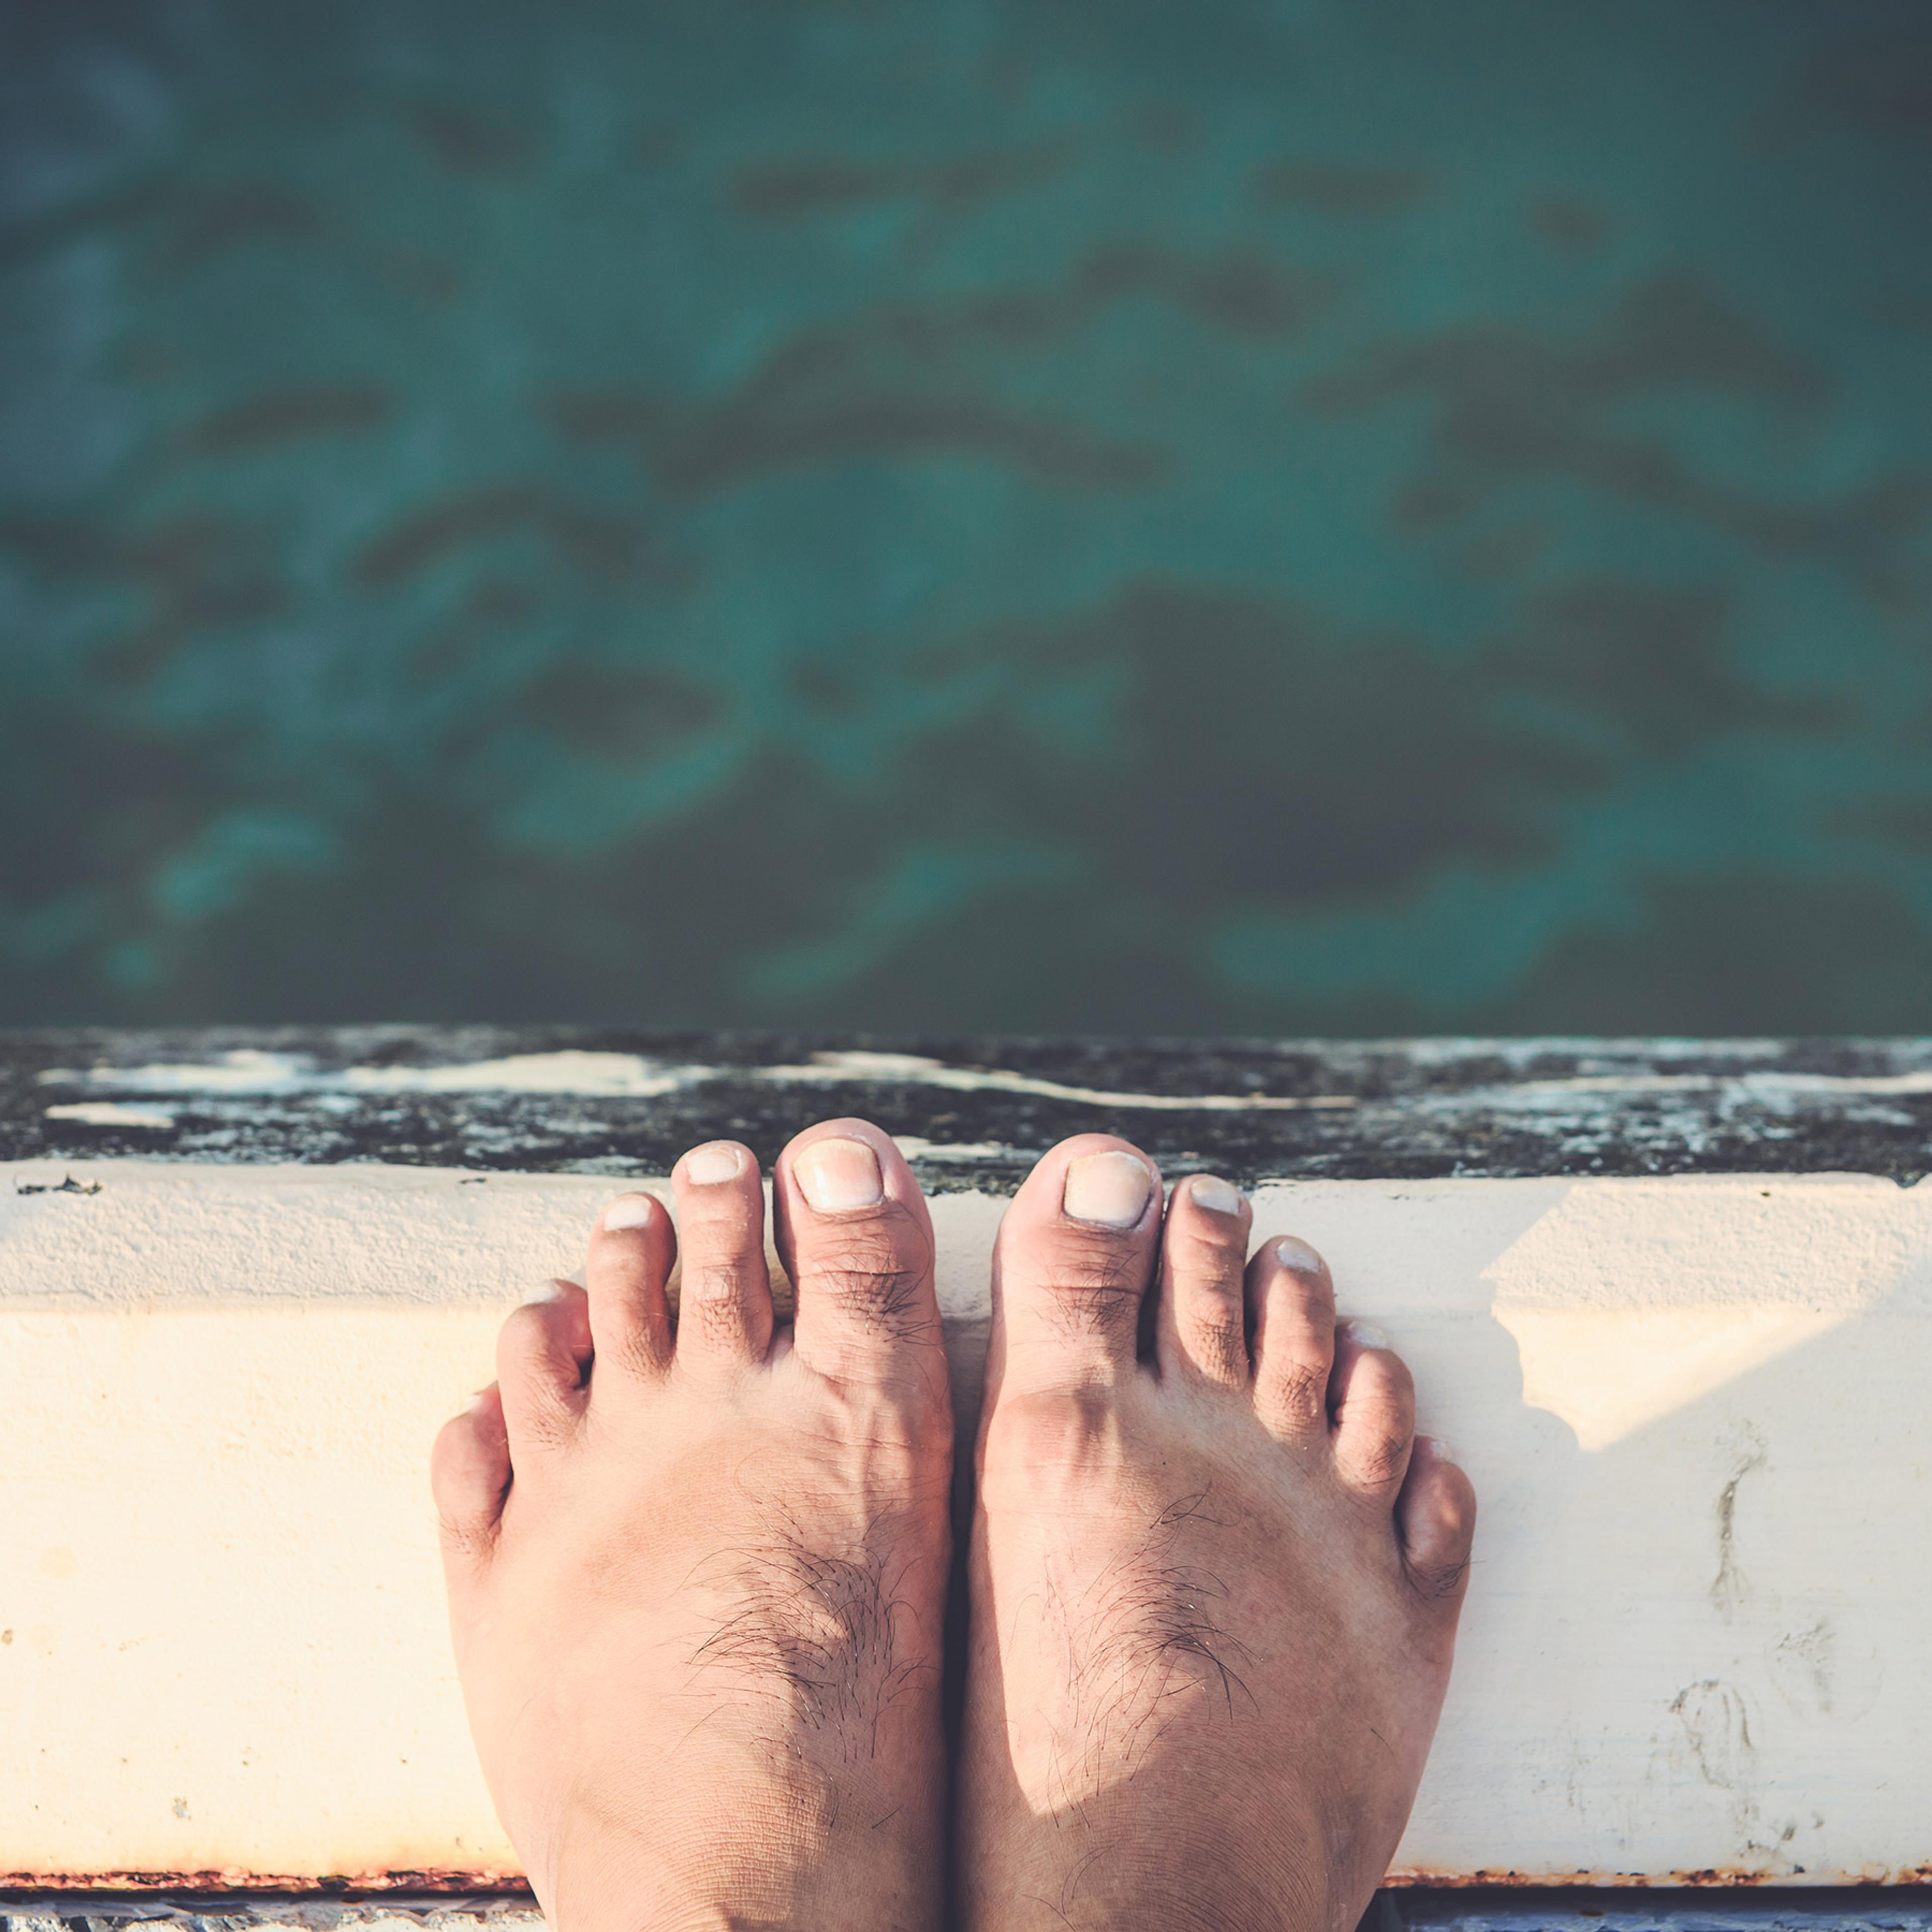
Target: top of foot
x,y
696,1562
1215,1575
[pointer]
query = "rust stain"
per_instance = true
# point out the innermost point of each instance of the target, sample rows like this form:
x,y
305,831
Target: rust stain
x,y
503,1883
439,1879
1707,1877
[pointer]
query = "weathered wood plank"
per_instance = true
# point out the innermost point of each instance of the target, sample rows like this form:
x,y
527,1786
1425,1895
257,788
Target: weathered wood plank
x,y
557,1099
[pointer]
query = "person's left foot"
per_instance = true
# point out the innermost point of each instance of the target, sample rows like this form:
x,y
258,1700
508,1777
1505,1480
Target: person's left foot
x,y
1215,1573
696,1574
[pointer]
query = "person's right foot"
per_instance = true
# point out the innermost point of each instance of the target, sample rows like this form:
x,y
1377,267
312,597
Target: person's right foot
x,y
696,1578
1214,1582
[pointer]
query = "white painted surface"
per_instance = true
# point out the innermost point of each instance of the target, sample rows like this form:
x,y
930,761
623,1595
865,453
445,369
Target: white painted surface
x,y
217,1386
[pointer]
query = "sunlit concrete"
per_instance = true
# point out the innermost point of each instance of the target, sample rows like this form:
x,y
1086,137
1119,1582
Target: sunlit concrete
x,y
1696,1640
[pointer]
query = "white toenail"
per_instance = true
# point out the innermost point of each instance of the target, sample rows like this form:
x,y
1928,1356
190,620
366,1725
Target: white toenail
x,y
629,1210
706,1166
836,1175
1221,1196
550,1291
1109,1189
1363,1334
1440,1450
1298,1256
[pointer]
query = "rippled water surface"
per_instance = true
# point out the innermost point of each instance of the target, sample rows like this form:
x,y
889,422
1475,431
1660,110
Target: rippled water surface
x,y
932,515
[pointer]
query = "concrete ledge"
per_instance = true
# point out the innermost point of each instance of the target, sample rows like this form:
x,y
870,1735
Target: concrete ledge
x,y
1695,1650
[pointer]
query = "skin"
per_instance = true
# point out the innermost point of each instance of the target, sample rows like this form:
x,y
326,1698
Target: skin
x,y
696,1578
1214,1578
697,1567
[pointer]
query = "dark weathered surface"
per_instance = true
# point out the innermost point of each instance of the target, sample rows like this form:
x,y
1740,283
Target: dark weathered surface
x,y
577,1099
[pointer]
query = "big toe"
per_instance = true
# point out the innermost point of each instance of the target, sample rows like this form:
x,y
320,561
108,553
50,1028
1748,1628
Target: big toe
x,y
1072,1263
852,1231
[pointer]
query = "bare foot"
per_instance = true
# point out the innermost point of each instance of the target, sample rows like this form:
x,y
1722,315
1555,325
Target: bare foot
x,y
696,1578
1214,1574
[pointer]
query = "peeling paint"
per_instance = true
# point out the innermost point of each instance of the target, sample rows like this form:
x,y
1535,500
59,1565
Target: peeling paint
x,y
629,1076
111,1114
1748,1084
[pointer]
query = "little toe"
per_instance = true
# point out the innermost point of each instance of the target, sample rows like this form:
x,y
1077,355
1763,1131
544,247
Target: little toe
x,y
1435,1516
632,1248
543,1362
724,1300
854,1234
1072,1263
1200,1326
1372,1401
469,1475
1292,1303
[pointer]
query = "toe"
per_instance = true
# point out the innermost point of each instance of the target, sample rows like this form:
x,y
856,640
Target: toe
x,y
1072,1263
543,1358
1435,1516
724,1298
1200,1327
469,1476
631,1251
1372,1401
1292,1300
854,1234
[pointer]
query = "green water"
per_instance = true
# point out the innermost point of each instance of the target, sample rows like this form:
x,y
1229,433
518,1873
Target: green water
x,y
1058,517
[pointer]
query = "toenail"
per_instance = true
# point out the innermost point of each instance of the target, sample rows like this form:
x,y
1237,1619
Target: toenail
x,y
1111,1189
1296,1256
1364,1334
837,1175
550,1292
1439,1449
706,1166
1221,1196
629,1210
